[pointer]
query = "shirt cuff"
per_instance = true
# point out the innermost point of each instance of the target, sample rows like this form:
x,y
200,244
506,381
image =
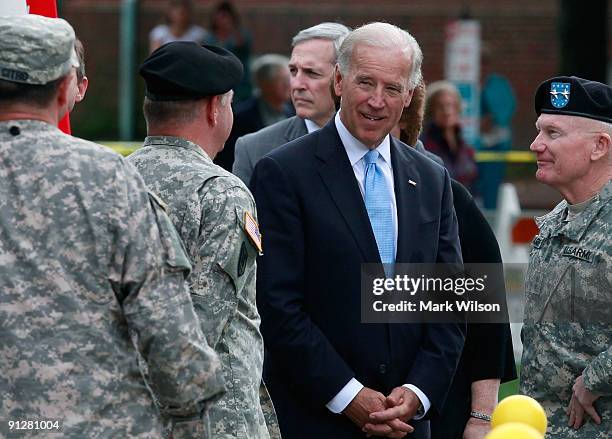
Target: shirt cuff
x,y
344,396
424,400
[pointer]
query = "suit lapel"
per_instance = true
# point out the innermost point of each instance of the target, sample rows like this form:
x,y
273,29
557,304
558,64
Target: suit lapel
x,y
407,199
339,179
296,128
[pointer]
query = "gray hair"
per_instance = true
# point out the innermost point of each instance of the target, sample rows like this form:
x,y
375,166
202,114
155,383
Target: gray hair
x,y
160,112
226,97
265,67
600,125
334,32
383,35
179,112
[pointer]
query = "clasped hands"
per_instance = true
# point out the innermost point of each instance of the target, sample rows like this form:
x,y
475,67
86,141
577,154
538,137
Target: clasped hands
x,y
378,415
581,403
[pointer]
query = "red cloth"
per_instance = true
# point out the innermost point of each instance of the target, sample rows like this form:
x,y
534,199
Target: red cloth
x,y
48,8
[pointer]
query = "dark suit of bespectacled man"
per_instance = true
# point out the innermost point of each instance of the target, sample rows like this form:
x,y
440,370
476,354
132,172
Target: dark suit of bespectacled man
x,y
328,372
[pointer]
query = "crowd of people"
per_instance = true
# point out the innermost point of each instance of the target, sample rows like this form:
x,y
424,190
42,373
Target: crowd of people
x,y
268,77
164,296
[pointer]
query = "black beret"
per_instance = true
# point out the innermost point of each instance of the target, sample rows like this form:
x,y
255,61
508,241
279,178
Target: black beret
x,y
573,96
184,70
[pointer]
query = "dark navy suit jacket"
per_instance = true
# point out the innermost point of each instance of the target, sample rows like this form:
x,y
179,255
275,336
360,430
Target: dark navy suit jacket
x,y
316,235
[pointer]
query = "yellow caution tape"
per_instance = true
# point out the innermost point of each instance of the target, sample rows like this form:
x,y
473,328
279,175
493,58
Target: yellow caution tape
x,y
126,148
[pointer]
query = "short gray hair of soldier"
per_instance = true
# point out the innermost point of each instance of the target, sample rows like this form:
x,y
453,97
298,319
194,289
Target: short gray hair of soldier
x,y
382,35
181,112
334,32
226,97
265,67
604,127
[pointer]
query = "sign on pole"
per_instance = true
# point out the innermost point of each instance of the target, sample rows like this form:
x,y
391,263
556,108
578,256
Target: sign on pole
x,y
462,67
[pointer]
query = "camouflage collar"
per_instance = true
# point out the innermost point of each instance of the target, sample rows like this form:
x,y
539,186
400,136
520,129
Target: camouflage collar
x,y
26,125
552,224
174,141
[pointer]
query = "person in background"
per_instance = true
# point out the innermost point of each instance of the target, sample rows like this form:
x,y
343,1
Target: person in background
x,y
410,124
270,104
178,26
92,275
473,392
82,80
567,335
314,55
188,112
497,108
442,133
226,30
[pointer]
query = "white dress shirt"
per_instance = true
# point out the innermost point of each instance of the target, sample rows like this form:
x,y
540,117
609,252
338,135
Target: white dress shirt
x,y
356,151
311,127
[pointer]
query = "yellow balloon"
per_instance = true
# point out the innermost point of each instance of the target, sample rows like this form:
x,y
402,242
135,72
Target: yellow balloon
x,y
514,430
520,408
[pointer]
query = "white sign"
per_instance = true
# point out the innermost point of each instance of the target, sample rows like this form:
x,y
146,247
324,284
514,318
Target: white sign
x,y
462,61
462,67
13,7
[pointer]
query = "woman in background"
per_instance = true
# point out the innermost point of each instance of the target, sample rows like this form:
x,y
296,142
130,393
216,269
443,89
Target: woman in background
x,y
178,27
442,134
227,32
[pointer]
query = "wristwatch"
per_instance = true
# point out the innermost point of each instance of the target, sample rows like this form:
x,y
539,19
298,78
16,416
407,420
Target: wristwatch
x,y
420,411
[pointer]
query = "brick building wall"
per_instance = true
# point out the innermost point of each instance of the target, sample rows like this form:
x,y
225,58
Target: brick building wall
x,y
522,36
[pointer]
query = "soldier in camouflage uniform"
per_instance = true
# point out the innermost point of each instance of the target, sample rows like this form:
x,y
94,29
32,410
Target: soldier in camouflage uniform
x,y
92,273
567,336
189,116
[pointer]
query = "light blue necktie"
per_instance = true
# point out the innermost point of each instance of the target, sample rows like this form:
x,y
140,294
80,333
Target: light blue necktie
x,y
380,208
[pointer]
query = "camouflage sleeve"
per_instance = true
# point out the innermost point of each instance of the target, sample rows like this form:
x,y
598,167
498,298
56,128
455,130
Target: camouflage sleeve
x,y
269,412
148,269
218,273
598,374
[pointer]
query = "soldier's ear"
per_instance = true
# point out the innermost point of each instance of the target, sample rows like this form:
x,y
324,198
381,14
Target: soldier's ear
x,y
601,147
213,106
82,85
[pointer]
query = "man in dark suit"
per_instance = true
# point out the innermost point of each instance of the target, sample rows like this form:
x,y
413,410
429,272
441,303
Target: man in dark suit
x,y
270,104
311,67
328,202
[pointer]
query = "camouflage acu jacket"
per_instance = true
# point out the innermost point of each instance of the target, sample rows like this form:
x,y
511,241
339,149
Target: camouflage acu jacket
x,y
92,283
568,319
210,208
